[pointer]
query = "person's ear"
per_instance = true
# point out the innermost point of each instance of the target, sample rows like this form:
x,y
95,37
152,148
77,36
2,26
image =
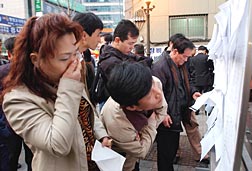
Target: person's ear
x,y
34,59
117,40
84,35
9,55
175,51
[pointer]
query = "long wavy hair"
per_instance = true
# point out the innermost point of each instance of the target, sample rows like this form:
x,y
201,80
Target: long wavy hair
x,y
39,35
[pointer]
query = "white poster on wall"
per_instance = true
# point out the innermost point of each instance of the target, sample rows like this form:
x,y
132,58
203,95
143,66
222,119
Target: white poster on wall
x,y
228,49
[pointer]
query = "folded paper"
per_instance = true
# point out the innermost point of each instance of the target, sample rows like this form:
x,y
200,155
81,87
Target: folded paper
x,y
107,159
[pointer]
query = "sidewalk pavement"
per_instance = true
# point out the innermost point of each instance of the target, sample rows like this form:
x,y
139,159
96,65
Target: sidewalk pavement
x,y
186,162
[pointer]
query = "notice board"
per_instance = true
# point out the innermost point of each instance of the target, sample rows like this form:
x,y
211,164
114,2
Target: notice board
x,y
230,49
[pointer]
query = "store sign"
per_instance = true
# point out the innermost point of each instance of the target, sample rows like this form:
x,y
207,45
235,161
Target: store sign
x,y
13,21
38,6
10,25
155,52
9,29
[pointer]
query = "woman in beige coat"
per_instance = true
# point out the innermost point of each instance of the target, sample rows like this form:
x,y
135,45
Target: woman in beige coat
x,y
45,100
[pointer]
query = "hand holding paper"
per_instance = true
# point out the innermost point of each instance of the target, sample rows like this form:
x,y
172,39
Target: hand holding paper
x,y
200,101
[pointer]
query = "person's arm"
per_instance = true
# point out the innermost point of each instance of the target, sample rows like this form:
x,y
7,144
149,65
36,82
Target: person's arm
x,y
160,71
43,124
133,143
210,65
100,132
192,72
192,80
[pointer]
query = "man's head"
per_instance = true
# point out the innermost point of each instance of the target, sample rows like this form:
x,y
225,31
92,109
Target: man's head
x,y
125,36
9,45
181,50
92,27
107,37
131,85
139,49
173,38
202,49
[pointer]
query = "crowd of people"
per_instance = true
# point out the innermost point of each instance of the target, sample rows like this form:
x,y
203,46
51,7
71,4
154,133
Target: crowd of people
x,y
52,85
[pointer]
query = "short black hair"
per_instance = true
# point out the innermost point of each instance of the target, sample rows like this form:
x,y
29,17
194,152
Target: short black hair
x,y
89,22
129,82
202,48
176,36
107,37
124,29
181,44
139,49
9,44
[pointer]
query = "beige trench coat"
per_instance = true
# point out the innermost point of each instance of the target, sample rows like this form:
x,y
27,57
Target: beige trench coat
x,y
124,134
51,130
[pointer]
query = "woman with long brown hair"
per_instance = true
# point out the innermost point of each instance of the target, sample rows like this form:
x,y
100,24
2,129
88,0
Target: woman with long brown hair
x,y
44,97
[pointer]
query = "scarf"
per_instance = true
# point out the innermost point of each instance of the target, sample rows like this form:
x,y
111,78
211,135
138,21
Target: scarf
x,y
84,117
137,118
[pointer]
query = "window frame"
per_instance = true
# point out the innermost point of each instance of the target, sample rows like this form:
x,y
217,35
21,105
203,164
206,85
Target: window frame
x,y
188,17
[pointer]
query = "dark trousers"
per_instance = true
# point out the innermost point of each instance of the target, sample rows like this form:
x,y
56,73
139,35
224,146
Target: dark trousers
x,y
28,157
15,146
167,145
4,157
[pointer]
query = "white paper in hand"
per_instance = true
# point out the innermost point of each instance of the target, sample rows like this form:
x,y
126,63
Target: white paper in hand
x,y
107,159
200,101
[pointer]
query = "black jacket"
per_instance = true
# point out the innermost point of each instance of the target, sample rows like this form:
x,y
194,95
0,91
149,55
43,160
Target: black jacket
x,y
172,93
5,130
109,57
201,70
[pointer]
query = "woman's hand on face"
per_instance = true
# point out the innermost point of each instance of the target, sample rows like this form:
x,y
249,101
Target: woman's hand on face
x,y
73,71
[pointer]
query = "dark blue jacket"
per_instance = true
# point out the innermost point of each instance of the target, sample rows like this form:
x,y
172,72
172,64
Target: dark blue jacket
x,y
5,130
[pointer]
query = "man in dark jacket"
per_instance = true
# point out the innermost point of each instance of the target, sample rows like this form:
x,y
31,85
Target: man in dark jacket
x,y
201,71
92,27
10,142
5,131
171,70
124,38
